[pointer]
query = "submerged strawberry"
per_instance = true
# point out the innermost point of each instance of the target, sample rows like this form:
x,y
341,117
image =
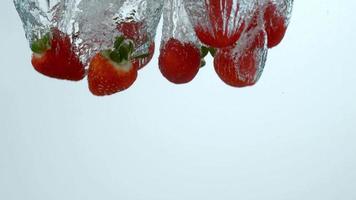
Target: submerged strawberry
x,y
179,62
54,56
220,23
240,67
111,70
235,72
275,24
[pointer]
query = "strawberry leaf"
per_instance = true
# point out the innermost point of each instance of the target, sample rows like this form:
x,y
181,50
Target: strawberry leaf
x,y
131,47
204,51
124,53
118,41
212,51
202,63
41,45
115,56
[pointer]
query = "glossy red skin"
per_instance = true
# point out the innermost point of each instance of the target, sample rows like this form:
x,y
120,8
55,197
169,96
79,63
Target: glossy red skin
x,y
275,25
219,38
105,78
59,61
179,62
131,30
228,67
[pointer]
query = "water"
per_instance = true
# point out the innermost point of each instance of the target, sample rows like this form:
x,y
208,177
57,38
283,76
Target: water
x,y
92,25
247,58
219,22
176,23
284,8
39,15
98,23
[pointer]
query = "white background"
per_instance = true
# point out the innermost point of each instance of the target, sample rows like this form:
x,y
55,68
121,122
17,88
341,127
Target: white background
x,y
290,137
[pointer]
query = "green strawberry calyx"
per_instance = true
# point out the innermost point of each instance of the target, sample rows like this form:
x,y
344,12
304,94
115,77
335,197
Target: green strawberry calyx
x,y
41,45
122,52
204,51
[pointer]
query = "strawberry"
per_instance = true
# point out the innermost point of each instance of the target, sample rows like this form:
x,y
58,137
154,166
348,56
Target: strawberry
x,y
112,71
275,25
179,62
229,69
220,31
54,56
239,67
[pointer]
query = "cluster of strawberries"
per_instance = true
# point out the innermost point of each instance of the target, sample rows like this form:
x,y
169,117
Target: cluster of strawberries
x,y
114,70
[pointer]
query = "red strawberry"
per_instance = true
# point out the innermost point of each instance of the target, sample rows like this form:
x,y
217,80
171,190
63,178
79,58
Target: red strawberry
x,y
179,62
53,56
275,25
136,32
239,68
221,15
112,71
228,69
